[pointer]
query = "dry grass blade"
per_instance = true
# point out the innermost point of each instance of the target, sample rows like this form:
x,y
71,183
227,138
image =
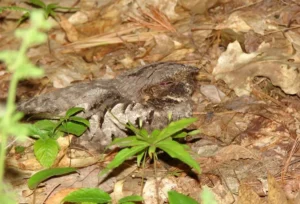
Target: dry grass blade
x,y
107,40
159,21
288,161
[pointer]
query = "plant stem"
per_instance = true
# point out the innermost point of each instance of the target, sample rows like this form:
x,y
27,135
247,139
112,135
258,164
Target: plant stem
x,y
143,173
10,108
156,182
2,159
7,117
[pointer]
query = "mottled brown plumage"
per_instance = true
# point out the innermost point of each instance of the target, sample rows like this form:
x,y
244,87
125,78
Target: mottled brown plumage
x,y
147,93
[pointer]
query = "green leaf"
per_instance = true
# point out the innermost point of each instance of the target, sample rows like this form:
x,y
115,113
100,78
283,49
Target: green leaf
x,y
19,149
45,125
174,127
50,10
73,111
94,195
69,9
129,141
23,18
132,198
57,134
36,17
52,13
139,158
128,202
9,58
155,133
41,176
122,156
13,8
12,126
80,120
46,151
194,132
37,133
151,151
176,150
136,131
207,197
180,135
26,35
31,71
154,136
38,3
144,133
73,128
178,198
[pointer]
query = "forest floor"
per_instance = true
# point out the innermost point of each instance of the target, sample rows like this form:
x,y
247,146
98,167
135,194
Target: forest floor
x,y
247,98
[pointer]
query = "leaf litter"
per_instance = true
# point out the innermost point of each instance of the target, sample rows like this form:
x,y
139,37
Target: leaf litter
x,y
247,100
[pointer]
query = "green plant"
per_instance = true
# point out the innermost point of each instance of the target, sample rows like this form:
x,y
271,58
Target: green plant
x,y
207,197
143,144
48,10
40,176
96,195
178,198
20,67
48,131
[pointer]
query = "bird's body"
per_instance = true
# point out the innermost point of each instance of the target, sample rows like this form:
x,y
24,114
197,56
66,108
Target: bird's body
x,y
147,93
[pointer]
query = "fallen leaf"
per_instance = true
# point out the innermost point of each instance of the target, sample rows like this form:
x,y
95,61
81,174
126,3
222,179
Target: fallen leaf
x,y
214,94
248,196
238,69
235,152
276,194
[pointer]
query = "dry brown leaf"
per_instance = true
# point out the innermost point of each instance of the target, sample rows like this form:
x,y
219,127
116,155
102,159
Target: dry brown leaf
x,y
164,45
199,6
77,163
241,21
236,152
164,184
214,94
119,191
165,6
177,55
221,194
276,194
70,30
238,69
294,38
248,196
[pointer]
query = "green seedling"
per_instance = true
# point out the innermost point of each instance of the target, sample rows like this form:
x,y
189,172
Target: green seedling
x,y
143,144
47,132
48,9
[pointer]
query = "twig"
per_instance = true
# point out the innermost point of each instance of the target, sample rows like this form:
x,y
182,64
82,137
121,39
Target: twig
x,y
46,198
288,161
283,30
245,6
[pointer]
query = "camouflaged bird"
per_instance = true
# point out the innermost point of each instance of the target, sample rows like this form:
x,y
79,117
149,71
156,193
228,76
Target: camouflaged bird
x,y
147,93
